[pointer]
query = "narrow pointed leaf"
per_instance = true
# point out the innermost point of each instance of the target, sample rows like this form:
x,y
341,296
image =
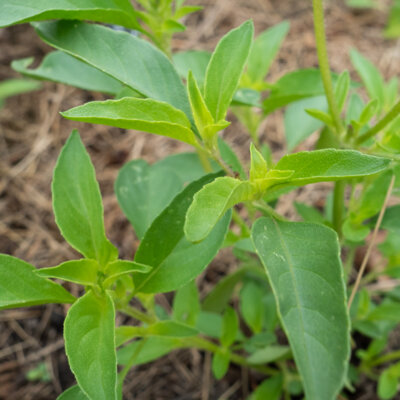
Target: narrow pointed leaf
x,y
211,203
83,272
119,268
77,203
330,165
89,332
176,261
264,51
21,287
118,12
153,75
61,67
225,69
140,114
305,272
12,87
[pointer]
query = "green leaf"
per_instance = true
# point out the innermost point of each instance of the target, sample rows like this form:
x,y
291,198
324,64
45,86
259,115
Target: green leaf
x,y
370,76
176,261
118,12
230,158
60,67
185,10
148,349
258,165
140,114
12,87
298,124
225,69
294,86
251,306
72,393
118,268
211,203
220,365
268,354
21,287
77,203
114,53
83,272
186,305
143,191
368,112
392,29
391,218
329,165
89,332
230,327
342,89
192,60
270,389
264,50
306,275
387,385
321,116
309,214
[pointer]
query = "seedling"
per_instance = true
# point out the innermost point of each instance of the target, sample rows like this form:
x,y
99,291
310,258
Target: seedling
x,y
182,208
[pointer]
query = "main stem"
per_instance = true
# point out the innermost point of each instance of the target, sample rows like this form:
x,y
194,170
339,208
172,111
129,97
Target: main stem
x,y
320,37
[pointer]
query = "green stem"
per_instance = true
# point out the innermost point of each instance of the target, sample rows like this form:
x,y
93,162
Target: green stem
x,y
268,210
204,344
137,314
386,120
395,355
320,37
338,206
242,224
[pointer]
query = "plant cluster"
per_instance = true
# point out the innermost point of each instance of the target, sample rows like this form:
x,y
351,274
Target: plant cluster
x,y
290,278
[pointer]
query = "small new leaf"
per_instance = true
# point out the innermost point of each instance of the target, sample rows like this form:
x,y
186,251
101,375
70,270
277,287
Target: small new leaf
x,y
230,327
258,165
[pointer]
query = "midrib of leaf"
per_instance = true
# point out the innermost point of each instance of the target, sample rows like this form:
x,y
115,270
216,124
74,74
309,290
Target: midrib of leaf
x,y
291,269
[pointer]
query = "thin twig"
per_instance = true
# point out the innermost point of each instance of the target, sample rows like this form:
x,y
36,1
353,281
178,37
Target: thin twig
x,y
371,244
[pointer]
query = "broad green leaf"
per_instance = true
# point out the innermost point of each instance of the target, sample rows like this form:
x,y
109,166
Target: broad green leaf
x,y
21,287
388,384
83,272
270,389
370,76
89,332
140,114
211,203
192,60
143,191
230,327
309,214
60,67
174,259
225,69
77,203
118,12
305,272
12,87
298,124
391,218
294,86
118,268
148,349
186,305
72,393
220,364
115,53
251,306
264,50
268,354
329,165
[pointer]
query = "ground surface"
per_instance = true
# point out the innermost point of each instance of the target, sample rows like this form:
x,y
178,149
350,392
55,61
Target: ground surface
x,y
31,135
